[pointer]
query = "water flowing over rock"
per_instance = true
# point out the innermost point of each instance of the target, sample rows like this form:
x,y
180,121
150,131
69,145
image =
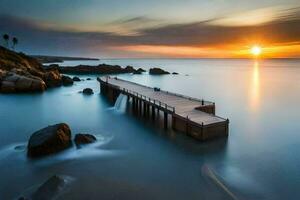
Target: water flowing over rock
x,y
49,140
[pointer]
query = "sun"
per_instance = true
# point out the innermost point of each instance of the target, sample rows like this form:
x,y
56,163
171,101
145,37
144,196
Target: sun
x,y
256,50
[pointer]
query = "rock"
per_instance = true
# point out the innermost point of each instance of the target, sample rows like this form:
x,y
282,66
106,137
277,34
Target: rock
x,y
141,70
175,73
50,189
75,78
20,83
88,79
157,71
84,139
100,69
49,140
66,80
88,91
137,72
129,69
21,73
53,78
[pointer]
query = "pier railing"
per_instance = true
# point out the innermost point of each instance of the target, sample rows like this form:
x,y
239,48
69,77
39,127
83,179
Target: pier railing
x,y
150,100
202,101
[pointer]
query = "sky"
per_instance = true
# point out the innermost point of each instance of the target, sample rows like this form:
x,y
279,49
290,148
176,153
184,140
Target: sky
x,y
153,29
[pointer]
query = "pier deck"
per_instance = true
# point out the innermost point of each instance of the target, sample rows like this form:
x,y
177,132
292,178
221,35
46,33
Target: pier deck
x,y
194,116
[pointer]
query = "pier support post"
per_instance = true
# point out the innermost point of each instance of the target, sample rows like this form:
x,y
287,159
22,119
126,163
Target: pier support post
x,y
148,110
145,109
153,113
140,107
165,120
133,103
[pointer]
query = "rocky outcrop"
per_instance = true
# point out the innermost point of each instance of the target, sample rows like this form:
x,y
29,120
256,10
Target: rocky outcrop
x,y
49,140
21,73
157,71
53,78
88,91
100,69
175,73
66,80
81,139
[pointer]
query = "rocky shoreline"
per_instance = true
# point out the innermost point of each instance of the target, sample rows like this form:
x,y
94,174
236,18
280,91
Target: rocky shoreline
x,y
20,73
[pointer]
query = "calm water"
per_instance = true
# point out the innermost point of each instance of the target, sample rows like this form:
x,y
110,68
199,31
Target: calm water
x,y
136,159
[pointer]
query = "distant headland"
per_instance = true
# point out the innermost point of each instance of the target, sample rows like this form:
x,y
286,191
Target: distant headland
x,y
59,59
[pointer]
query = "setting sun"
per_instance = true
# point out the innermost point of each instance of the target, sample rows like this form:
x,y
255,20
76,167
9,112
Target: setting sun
x,y
256,50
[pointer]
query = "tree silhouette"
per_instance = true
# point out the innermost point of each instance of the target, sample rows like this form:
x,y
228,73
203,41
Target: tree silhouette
x,y
6,39
15,42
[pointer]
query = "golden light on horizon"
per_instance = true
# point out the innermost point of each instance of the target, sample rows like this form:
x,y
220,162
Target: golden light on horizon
x,y
256,50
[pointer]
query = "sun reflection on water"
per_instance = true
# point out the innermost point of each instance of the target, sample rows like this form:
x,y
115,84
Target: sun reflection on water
x,y
255,86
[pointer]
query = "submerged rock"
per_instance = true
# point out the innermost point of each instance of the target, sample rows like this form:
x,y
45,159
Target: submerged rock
x,y
88,79
88,91
66,80
75,78
50,189
49,140
157,71
84,139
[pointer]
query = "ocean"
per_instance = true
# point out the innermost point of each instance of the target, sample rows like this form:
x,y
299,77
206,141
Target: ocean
x,y
138,159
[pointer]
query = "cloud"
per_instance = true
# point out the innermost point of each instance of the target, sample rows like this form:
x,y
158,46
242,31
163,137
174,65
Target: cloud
x,y
40,38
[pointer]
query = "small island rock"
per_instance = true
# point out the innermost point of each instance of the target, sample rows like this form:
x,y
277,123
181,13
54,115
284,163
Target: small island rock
x,y
88,91
75,78
157,71
49,140
84,139
66,80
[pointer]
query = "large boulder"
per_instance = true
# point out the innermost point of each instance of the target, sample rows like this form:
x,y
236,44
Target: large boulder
x,y
66,80
157,71
21,83
49,140
81,139
88,91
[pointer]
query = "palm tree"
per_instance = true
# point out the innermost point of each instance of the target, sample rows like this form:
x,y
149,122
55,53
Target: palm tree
x,y
15,42
6,39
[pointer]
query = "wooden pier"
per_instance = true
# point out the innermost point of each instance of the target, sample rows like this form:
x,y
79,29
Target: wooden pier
x,y
192,116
